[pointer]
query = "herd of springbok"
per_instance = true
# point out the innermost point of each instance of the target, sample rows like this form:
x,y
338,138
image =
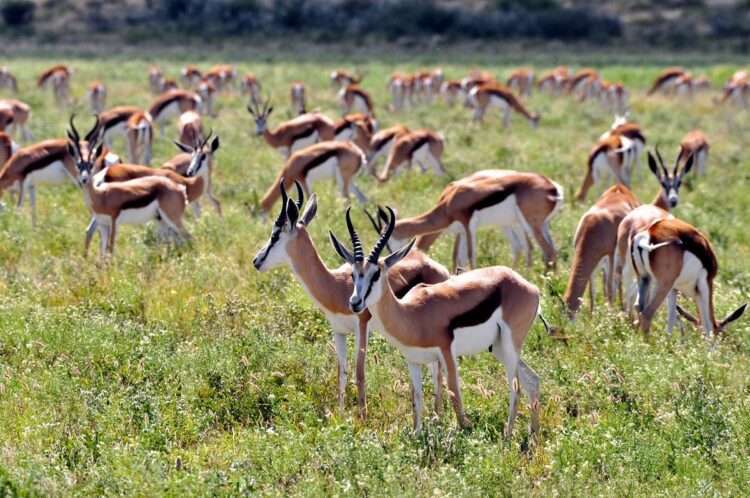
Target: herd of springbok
x,y
432,315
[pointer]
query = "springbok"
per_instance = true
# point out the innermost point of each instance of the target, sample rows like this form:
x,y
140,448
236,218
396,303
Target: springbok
x,y
97,96
221,76
666,80
614,97
250,86
423,147
476,78
167,85
631,130
554,81
135,125
382,142
292,135
155,80
487,95
521,81
8,80
342,79
321,161
191,75
614,154
354,99
290,244
190,128
521,204
737,92
206,90
21,114
133,202
670,256
356,128
397,89
58,78
297,94
641,217
171,104
595,241
585,83
452,92
491,309
695,144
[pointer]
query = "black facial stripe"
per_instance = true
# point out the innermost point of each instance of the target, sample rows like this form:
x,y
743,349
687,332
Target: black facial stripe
x,y
375,278
272,242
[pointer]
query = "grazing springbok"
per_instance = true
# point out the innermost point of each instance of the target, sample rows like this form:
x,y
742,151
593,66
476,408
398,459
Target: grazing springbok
x,y
382,142
167,85
614,97
585,83
21,114
155,80
321,161
491,309
171,104
342,79
521,81
476,78
423,147
290,244
250,86
197,161
641,217
612,156
356,128
191,76
57,77
292,135
695,144
737,92
666,80
595,242
520,204
44,163
487,95
631,130
554,81
354,99
132,123
397,87
97,96
452,92
670,256
221,76
206,90
132,202
190,128
297,94
8,80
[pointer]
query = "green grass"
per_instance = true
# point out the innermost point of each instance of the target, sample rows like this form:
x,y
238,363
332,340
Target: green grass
x,y
186,372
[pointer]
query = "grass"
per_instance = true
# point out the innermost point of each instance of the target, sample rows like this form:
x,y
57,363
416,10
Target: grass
x,y
185,372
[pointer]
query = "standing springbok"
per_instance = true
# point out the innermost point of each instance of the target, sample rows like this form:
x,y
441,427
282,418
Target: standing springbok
x,y
133,202
631,130
491,309
292,135
452,92
382,142
171,104
21,114
250,86
666,80
221,76
641,217
695,144
614,97
8,80
321,161
297,94
206,90
97,96
595,242
423,147
521,81
612,156
670,256
132,123
190,128
290,244
167,85
520,204
397,89
354,99
487,95
197,161
191,76
58,78
155,79
342,79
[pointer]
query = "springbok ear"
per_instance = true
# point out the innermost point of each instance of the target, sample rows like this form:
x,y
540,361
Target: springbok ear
x,y
397,256
184,148
653,166
292,214
311,210
342,251
688,165
269,111
215,144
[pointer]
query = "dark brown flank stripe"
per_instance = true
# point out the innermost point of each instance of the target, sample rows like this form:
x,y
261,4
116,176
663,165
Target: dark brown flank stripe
x,y
479,314
409,285
117,119
317,161
159,106
141,202
419,143
304,133
492,199
45,161
380,143
701,249
364,97
341,126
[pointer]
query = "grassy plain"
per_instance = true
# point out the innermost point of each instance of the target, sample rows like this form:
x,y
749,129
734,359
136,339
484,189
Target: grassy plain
x,y
186,372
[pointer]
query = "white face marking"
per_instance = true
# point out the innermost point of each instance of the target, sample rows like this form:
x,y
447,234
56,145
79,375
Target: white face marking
x,y
274,253
368,282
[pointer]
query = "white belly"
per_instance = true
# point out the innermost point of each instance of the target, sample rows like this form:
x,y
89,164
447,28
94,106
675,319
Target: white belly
x,y
478,338
53,174
345,135
324,171
503,214
115,131
360,105
600,167
305,141
340,324
692,271
138,216
498,102
168,112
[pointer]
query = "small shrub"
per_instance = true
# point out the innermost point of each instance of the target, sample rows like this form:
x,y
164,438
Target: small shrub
x,y
18,12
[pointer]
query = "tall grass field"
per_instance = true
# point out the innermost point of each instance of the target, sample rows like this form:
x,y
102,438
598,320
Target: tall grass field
x,y
181,370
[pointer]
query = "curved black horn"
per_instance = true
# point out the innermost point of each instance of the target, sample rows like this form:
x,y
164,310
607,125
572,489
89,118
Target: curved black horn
x,y
359,254
73,130
284,197
300,194
93,134
374,222
661,161
208,137
383,240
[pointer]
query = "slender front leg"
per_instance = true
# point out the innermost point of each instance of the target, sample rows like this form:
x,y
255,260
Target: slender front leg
x,y
21,189
196,205
454,385
469,249
360,342
437,382
90,230
703,302
103,241
32,201
340,344
671,310
112,233
417,396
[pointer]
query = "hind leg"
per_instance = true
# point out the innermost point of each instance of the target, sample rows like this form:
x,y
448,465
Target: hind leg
x,y
417,394
339,341
516,245
437,383
90,230
530,383
504,350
